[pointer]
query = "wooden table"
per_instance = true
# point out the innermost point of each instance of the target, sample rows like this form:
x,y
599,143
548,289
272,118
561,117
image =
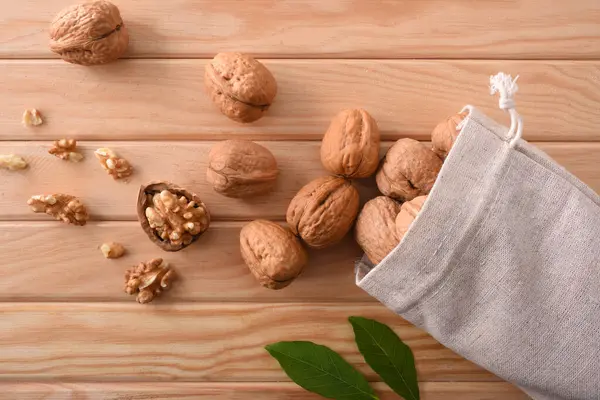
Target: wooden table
x,y
67,330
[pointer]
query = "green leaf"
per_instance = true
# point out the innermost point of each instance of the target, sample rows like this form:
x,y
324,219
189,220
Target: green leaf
x,y
387,355
321,370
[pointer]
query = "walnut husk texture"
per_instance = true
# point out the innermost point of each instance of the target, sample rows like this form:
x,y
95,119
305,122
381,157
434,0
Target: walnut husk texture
x,y
240,86
63,207
407,215
350,147
241,169
272,253
375,229
89,34
148,280
323,211
409,169
445,133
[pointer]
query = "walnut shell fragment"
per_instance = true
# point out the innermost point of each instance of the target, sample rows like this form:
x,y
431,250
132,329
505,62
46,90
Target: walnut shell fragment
x,y
63,207
149,280
323,211
445,133
350,147
241,168
409,169
240,86
89,34
172,217
272,253
375,229
407,215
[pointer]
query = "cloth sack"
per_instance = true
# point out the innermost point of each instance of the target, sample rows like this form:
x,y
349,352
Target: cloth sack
x,y
502,264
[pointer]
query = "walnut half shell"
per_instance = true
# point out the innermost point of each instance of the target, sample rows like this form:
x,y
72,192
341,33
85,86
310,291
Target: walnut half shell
x,y
171,216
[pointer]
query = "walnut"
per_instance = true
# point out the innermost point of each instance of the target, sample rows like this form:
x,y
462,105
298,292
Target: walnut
x,y
112,250
89,34
350,147
148,280
407,215
32,117
375,229
65,150
172,217
445,133
63,207
115,166
272,253
240,86
323,211
241,168
408,170
12,162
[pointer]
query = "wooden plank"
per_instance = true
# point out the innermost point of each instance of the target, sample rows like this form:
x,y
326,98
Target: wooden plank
x,y
240,391
333,28
193,342
185,163
165,99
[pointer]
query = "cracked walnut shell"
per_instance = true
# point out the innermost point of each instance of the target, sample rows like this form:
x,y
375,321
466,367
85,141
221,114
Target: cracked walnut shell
x,y
240,86
272,253
407,215
89,34
241,168
116,166
172,217
323,211
445,133
148,280
350,147
375,229
63,207
65,149
409,169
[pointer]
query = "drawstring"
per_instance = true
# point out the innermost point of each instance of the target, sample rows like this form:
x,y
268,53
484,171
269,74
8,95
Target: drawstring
x,y
506,86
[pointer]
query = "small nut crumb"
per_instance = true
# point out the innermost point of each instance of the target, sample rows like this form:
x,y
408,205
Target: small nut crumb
x,y
63,207
65,150
32,117
12,162
112,250
115,166
148,280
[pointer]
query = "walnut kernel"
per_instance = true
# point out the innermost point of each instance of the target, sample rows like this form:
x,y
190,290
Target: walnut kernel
x,y
65,150
148,280
32,117
115,166
63,207
112,250
12,162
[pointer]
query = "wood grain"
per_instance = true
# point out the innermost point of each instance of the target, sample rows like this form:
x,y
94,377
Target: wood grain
x,y
332,28
193,342
240,391
165,99
185,164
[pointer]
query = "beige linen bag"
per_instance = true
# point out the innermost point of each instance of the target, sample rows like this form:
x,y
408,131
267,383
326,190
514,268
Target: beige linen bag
x,y
502,265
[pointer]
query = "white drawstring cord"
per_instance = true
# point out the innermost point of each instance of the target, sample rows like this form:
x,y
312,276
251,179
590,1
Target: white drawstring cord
x,y
507,87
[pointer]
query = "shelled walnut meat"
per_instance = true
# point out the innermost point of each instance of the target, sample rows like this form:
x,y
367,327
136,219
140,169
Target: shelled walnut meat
x,y
272,253
148,280
63,207
240,86
375,229
116,166
171,216
323,211
90,33
66,149
409,169
32,117
445,133
112,250
407,215
241,168
350,147
12,162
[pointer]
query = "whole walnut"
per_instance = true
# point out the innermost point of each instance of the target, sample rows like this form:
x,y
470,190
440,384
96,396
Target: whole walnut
x,y
89,34
323,211
409,169
240,86
272,253
375,229
407,215
241,168
350,147
445,133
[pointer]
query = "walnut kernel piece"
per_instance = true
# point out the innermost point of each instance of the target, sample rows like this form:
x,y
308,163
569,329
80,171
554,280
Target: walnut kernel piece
x,y
171,216
63,207
32,117
112,250
148,280
115,166
65,150
12,162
